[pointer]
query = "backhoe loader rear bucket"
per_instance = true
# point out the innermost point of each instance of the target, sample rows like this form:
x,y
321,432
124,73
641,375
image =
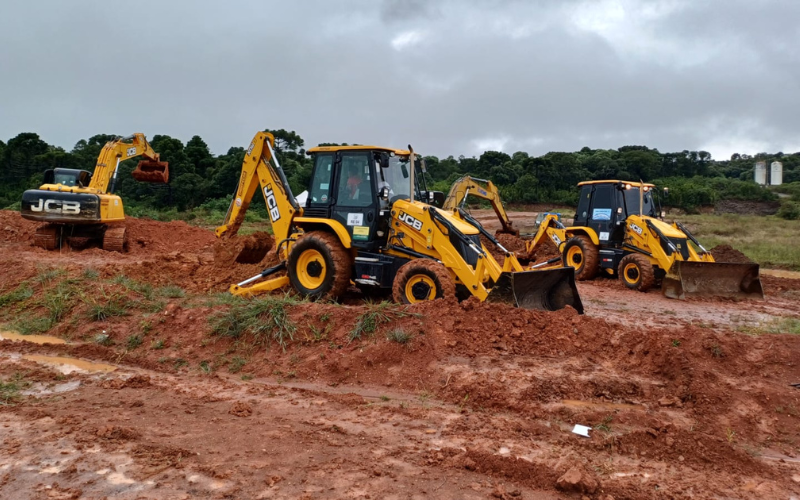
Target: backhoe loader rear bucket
x,y
712,279
547,290
151,171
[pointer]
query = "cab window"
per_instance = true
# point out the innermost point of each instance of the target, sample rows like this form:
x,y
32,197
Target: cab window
x,y
355,181
321,183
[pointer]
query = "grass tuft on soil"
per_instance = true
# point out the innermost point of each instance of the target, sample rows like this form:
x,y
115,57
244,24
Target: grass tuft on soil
x,y
262,321
375,316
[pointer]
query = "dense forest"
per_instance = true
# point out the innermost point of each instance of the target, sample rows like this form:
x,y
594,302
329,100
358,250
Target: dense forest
x,y
198,179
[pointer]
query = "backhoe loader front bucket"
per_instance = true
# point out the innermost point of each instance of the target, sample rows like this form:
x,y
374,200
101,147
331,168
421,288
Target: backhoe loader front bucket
x,y
712,279
547,290
151,171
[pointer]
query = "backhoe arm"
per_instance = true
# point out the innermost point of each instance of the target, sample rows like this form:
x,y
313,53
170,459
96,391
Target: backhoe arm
x,y
261,168
105,172
466,186
551,228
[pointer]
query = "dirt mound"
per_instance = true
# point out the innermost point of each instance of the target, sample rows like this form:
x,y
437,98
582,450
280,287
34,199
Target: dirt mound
x,y
511,242
242,249
151,236
14,228
726,253
747,207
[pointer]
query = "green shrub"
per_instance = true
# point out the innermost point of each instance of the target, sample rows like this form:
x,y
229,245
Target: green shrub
x,y
789,210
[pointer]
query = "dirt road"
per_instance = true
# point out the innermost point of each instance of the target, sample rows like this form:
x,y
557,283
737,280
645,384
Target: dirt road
x,y
685,398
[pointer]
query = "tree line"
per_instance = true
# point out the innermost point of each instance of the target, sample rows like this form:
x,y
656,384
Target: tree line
x,y
199,178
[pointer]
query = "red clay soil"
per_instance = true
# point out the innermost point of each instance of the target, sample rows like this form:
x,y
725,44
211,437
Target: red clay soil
x,y
441,399
726,253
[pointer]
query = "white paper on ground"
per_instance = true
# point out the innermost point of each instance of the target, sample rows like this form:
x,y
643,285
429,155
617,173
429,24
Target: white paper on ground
x,y
581,430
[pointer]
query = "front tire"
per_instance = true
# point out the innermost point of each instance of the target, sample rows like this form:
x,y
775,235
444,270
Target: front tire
x,y
319,266
581,254
636,272
421,280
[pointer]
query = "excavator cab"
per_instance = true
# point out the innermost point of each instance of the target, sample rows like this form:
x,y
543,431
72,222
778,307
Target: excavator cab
x,y
68,177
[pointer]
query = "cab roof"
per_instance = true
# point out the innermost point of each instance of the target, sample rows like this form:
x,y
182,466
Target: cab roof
x,y
632,183
333,149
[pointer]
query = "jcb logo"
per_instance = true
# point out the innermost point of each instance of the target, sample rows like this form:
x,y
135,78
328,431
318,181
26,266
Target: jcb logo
x,y
131,152
636,229
272,204
57,207
411,221
556,239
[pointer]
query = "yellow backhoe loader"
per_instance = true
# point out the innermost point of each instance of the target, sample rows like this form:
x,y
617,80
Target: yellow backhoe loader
x,y
618,231
363,222
481,188
77,206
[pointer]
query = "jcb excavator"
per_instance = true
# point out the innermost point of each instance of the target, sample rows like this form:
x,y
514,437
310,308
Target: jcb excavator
x,y
618,231
481,188
77,206
364,222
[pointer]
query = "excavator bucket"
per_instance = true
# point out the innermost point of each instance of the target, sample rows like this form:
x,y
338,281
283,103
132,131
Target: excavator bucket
x,y
712,279
547,290
151,171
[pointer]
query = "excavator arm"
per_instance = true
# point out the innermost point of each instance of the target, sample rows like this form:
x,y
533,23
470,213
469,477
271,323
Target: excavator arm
x,y
466,186
260,168
149,170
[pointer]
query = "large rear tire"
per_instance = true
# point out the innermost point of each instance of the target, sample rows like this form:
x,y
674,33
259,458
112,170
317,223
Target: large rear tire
x,y
581,254
636,272
421,280
319,266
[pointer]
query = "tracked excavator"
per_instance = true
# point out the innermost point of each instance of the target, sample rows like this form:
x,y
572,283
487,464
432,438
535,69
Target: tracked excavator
x,y
370,220
79,207
480,188
618,231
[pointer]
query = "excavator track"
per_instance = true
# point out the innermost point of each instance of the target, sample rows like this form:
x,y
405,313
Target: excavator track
x,y
115,239
48,237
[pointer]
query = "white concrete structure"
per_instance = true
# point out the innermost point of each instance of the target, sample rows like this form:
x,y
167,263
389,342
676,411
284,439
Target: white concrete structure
x,y
776,173
761,173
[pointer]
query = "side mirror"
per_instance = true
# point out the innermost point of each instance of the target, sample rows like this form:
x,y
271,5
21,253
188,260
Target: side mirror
x,y
384,160
384,193
49,176
422,165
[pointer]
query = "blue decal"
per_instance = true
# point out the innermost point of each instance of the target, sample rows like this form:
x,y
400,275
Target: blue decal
x,y
601,214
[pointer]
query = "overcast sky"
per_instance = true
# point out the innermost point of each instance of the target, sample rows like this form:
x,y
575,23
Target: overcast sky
x,y
449,77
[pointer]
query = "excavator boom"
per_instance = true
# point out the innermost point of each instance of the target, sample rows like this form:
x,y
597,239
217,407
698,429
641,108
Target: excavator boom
x,y
151,169
466,186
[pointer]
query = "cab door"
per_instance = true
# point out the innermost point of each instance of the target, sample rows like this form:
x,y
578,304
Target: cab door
x,y
603,211
356,206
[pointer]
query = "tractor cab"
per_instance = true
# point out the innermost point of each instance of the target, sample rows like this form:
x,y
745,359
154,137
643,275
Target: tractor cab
x,y
356,186
605,205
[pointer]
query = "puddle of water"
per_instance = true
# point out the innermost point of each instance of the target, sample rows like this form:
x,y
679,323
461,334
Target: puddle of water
x,y
602,406
41,389
68,365
36,339
780,273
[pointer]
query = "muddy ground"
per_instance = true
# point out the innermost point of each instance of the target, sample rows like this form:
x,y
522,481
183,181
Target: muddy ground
x,y
154,385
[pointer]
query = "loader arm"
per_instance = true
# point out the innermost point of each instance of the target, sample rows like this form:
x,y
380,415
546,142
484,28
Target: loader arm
x,y
105,171
466,186
260,168
551,228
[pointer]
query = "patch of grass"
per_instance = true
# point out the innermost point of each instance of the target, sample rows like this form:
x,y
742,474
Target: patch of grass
x,y
171,292
263,320
716,351
46,275
317,334
223,299
205,367
236,364
730,435
178,363
782,325
31,325
676,343
605,425
375,316
157,345
769,240
58,302
90,274
247,377
107,307
9,392
133,342
22,292
399,335
103,339
145,326
385,398
143,289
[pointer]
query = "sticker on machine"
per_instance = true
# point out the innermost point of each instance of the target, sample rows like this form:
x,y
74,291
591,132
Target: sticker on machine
x,y
355,219
604,236
601,214
361,232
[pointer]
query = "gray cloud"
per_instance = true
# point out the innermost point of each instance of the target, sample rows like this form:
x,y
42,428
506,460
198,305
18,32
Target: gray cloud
x,y
450,77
